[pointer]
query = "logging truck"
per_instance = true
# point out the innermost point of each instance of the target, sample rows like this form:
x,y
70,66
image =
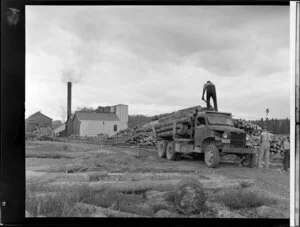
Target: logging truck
x,y
209,132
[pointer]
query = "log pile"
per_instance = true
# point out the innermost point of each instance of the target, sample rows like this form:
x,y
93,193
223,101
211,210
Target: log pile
x,y
122,135
254,132
276,148
163,125
143,138
39,137
249,128
163,122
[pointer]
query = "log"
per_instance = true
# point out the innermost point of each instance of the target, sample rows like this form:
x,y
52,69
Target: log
x,y
146,185
185,119
170,134
179,127
177,113
168,121
181,113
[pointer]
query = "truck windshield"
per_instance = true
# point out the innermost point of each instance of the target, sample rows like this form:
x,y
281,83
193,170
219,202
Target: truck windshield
x,y
216,119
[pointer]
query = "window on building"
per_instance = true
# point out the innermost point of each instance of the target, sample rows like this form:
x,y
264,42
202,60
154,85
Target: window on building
x,y
115,128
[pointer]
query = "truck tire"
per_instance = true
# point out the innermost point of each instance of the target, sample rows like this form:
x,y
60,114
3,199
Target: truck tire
x,y
211,155
161,148
170,152
249,161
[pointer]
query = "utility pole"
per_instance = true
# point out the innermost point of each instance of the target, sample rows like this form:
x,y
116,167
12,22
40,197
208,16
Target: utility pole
x,y
295,118
267,119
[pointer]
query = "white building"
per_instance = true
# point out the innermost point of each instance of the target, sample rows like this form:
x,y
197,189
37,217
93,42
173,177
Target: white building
x,y
105,120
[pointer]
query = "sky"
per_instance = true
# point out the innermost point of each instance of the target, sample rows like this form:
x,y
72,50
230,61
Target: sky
x,y
156,59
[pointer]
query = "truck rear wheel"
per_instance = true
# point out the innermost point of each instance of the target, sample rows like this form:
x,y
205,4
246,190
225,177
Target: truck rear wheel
x,y
211,155
161,148
170,152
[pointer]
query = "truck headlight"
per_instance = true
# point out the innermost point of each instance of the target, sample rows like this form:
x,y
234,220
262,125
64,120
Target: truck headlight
x,y
225,135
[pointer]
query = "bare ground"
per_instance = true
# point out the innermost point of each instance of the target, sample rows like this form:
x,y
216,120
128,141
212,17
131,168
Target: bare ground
x,y
139,183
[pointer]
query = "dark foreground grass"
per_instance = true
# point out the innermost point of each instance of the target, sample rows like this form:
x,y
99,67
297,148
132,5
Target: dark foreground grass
x,y
238,198
53,155
60,202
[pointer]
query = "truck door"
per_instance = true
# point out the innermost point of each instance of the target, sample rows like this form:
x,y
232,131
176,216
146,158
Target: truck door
x,y
200,131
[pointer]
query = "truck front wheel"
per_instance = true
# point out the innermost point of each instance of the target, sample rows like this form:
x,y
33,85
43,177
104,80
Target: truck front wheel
x,y
170,152
161,148
211,155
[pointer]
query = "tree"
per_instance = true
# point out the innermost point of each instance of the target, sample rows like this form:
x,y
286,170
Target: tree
x,y
85,109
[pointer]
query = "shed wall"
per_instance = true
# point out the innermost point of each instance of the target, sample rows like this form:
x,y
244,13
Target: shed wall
x,y
39,119
122,113
76,126
93,128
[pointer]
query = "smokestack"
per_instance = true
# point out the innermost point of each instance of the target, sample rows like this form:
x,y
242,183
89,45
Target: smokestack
x,y
69,99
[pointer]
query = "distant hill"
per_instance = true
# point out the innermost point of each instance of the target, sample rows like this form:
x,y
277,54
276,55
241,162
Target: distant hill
x,y
135,120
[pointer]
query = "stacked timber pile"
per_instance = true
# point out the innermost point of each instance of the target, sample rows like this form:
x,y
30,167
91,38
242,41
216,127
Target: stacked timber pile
x,y
248,127
255,141
276,147
30,136
122,136
164,123
143,139
39,137
165,126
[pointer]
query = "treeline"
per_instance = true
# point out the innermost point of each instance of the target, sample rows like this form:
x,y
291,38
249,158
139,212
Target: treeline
x,y
276,126
137,120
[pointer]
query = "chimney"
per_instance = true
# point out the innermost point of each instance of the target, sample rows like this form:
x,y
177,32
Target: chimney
x,y
69,99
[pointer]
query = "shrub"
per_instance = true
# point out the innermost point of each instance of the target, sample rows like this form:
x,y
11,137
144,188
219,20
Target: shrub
x,y
245,184
241,198
170,196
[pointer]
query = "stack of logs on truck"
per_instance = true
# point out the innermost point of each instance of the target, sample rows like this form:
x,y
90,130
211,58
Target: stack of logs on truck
x,y
209,132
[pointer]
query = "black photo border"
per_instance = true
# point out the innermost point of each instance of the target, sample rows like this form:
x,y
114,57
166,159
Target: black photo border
x,y
12,162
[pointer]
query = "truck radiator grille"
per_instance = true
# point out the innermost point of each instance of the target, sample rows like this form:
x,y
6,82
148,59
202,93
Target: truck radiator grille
x,y
238,140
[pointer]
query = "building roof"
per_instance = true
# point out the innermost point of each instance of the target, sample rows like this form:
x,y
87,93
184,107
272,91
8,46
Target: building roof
x,y
93,116
37,113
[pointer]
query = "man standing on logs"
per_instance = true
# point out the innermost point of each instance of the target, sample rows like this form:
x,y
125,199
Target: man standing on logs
x,y
210,89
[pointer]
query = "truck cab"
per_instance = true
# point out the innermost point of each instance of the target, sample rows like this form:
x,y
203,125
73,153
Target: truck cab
x,y
214,134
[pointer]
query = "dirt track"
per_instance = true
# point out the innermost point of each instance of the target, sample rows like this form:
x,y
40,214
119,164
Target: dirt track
x,y
69,162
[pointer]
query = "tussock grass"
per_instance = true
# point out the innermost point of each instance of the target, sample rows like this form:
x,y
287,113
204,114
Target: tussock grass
x,y
62,202
58,205
245,184
158,207
238,198
170,196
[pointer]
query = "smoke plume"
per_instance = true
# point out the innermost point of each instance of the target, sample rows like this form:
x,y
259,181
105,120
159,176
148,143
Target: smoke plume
x,y
71,75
